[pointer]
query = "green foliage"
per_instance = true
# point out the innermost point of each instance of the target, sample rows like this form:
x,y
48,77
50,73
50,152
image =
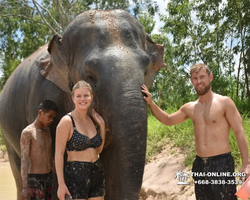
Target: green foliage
x,y
234,147
156,137
147,22
209,32
134,6
8,67
172,83
1,138
2,144
180,135
243,105
25,25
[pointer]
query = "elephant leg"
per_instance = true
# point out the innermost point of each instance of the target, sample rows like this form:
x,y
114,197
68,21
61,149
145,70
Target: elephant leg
x,y
15,163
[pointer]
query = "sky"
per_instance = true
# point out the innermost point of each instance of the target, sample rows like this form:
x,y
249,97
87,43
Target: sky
x,y
162,9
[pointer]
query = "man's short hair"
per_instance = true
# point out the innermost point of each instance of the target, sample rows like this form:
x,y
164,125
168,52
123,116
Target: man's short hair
x,y
198,66
47,105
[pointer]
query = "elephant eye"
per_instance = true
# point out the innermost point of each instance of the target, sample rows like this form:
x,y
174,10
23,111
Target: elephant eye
x,y
128,37
91,79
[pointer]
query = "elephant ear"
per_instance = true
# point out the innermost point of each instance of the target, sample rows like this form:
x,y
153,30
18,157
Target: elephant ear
x,y
54,67
155,53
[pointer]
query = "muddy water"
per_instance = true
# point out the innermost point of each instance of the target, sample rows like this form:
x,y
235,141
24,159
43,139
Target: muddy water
x,y
7,182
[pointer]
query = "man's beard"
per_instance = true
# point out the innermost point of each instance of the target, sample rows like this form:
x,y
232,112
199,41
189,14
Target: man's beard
x,y
203,91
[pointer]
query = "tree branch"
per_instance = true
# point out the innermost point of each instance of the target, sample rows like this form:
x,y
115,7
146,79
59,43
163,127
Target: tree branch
x,y
28,5
18,15
63,12
45,21
242,48
59,13
71,5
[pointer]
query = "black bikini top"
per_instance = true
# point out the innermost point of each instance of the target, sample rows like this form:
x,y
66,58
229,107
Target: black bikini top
x,y
80,142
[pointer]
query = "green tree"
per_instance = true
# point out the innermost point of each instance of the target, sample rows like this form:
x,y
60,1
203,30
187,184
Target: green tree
x,y
147,22
171,87
26,25
213,32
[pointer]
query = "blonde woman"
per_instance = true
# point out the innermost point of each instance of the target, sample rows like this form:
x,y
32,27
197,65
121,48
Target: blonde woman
x,y
83,177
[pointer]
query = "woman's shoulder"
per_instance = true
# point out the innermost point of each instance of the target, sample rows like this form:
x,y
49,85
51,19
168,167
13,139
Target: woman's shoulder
x,y
66,120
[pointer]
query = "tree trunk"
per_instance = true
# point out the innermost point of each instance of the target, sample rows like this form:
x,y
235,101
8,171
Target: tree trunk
x,y
238,77
242,50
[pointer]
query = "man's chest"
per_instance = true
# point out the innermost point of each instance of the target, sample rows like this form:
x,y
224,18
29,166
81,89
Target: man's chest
x,y
209,114
41,142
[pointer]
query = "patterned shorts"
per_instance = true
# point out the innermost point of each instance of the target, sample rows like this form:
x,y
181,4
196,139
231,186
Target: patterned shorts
x,y
85,179
41,186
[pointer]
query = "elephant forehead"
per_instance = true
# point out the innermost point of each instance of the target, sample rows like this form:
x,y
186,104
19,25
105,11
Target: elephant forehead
x,y
103,24
109,18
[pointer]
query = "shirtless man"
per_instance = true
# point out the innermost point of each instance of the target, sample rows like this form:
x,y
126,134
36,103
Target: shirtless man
x,y
212,116
36,155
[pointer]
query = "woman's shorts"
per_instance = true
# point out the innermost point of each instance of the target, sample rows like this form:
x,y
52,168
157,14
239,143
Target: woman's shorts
x,y
85,179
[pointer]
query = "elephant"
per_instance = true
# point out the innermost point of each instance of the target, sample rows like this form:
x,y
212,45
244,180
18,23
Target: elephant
x,y
111,51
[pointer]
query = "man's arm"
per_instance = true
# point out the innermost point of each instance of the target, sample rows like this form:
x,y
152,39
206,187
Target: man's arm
x,y
25,150
235,121
167,119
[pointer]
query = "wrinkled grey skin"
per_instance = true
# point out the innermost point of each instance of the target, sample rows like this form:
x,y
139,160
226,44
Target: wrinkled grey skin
x,y
111,51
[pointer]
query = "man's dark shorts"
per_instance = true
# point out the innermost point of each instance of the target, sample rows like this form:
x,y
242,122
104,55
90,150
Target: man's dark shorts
x,y
221,163
85,179
41,186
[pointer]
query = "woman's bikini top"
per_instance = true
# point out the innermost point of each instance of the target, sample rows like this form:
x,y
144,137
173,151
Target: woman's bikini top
x,y
80,142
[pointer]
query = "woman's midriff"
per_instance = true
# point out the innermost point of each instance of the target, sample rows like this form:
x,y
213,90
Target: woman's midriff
x,y
88,155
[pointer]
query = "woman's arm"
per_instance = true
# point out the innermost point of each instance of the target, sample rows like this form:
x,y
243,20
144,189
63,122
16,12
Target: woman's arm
x,y
62,135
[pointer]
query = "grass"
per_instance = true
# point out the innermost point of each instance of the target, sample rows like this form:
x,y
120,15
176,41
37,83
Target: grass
x,y
182,136
2,145
234,147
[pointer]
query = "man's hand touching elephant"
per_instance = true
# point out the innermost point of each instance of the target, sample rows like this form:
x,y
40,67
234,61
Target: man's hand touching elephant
x,y
147,96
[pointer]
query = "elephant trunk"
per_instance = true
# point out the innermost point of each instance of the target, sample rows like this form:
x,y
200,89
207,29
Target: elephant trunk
x,y
128,129
116,76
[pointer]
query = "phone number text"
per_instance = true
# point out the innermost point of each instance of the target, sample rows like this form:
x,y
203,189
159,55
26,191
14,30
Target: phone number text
x,y
218,182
